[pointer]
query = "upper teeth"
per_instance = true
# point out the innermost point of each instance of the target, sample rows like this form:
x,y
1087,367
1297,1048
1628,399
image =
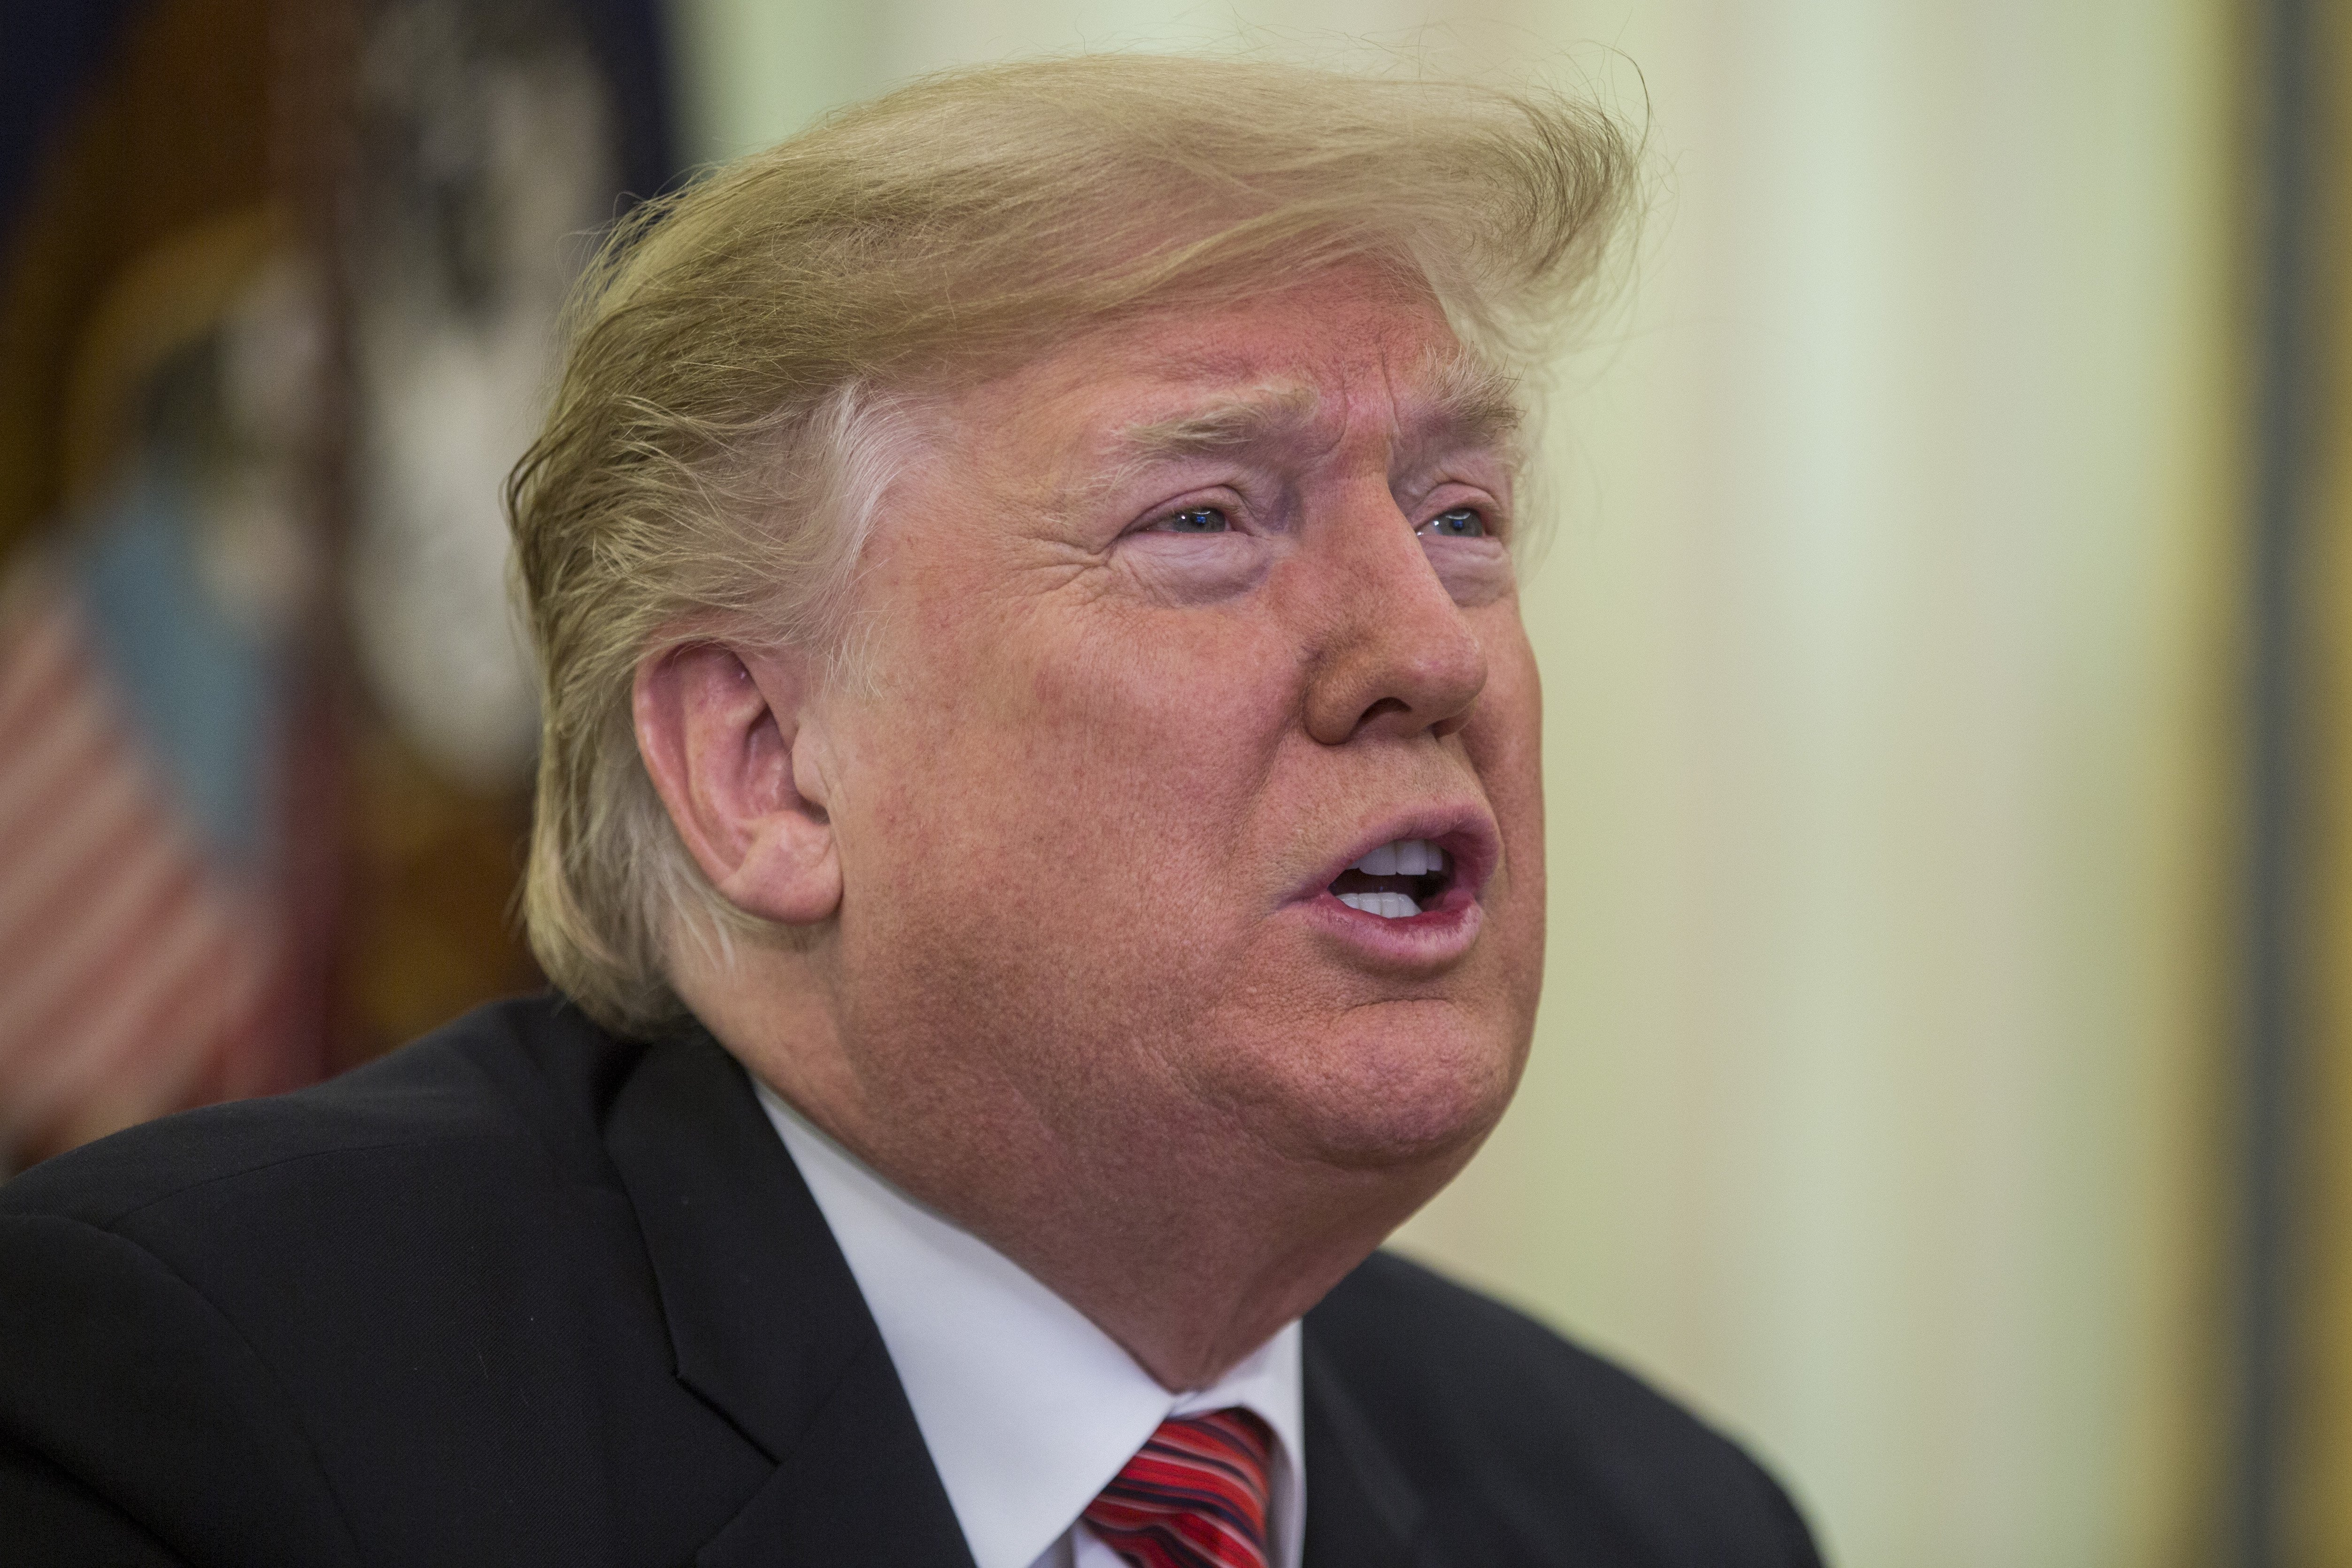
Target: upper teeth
x,y
1403,857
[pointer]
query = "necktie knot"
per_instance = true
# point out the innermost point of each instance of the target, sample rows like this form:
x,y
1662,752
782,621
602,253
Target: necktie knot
x,y
1192,1497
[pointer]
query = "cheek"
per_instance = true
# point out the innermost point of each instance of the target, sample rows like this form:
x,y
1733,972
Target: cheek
x,y
1038,864
1068,782
1504,742
1163,725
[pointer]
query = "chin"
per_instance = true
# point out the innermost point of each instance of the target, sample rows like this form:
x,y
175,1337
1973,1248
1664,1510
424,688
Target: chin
x,y
1403,1092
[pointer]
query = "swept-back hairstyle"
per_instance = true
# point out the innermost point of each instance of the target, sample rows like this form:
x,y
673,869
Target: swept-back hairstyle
x,y
739,355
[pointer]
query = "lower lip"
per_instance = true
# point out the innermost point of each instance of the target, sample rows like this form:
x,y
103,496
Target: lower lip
x,y
1435,935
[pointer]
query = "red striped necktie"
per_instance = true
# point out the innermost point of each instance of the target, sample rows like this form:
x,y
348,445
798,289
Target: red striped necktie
x,y
1195,1497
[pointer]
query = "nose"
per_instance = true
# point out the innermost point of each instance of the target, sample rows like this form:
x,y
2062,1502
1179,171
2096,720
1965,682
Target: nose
x,y
1397,654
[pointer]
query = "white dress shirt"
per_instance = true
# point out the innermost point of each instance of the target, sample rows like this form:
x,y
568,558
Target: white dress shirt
x,y
1029,1410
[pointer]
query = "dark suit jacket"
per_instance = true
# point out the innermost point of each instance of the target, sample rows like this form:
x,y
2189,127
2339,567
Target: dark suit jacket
x,y
526,1293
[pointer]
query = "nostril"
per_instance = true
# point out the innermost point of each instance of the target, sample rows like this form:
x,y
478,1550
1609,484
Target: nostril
x,y
1385,705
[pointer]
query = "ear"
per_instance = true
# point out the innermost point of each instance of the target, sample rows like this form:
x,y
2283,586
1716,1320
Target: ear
x,y
725,740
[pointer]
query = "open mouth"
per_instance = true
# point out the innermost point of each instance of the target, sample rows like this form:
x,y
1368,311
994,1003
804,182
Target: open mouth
x,y
1396,882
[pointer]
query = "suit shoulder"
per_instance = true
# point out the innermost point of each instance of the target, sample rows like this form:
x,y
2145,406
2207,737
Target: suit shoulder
x,y
134,1412
1424,1333
527,1072
1472,1395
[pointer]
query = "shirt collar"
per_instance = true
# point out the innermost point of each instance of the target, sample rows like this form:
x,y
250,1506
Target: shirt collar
x,y
1028,1409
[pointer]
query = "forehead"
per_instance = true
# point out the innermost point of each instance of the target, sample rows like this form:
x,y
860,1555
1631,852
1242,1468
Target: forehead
x,y
1331,353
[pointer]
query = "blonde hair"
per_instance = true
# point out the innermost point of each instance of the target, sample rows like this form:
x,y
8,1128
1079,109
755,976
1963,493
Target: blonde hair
x,y
742,355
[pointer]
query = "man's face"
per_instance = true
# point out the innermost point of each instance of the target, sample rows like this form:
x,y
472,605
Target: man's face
x,y
1171,629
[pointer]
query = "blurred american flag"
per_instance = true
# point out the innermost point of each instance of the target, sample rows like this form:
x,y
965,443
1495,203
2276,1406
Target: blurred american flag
x,y
140,975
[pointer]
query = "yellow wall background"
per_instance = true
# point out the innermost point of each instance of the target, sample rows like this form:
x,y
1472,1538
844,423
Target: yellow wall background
x,y
1887,640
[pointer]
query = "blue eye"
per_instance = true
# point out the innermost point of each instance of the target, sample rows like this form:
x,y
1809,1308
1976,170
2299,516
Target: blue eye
x,y
1196,520
1461,522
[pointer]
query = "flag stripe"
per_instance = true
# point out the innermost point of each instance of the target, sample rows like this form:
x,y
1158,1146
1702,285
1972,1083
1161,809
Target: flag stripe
x,y
106,826
171,990
45,753
38,665
93,937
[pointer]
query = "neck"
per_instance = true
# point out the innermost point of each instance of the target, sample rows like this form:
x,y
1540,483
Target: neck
x,y
1183,1237
1189,1266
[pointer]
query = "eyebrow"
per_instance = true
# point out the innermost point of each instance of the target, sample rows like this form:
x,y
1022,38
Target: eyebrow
x,y
1476,404
1270,413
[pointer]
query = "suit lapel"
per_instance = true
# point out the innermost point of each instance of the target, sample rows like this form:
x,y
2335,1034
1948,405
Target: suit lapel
x,y
767,1325
1361,1511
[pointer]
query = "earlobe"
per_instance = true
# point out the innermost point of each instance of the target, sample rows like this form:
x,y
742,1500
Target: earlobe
x,y
721,738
